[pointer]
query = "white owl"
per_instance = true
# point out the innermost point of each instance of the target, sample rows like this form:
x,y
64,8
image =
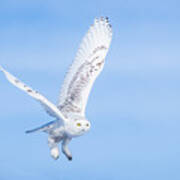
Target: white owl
x,y
70,112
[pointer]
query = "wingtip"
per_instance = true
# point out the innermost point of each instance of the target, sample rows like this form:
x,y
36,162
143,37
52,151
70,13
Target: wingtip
x,y
28,131
104,19
1,68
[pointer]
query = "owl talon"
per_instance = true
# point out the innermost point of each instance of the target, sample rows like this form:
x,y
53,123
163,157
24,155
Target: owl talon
x,y
70,158
55,158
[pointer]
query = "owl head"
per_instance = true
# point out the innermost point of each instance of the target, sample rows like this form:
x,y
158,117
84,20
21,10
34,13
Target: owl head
x,y
78,127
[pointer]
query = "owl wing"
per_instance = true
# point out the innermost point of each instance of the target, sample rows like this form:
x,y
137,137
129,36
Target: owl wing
x,y
86,67
50,108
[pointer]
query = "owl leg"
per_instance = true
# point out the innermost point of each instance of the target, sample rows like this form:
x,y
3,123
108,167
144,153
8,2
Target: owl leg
x,y
65,149
54,150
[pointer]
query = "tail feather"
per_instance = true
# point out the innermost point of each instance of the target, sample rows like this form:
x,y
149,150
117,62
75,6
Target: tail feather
x,y
44,127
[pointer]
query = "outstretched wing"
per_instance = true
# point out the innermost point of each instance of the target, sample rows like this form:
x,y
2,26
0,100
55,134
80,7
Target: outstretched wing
x,y
86,67
50,108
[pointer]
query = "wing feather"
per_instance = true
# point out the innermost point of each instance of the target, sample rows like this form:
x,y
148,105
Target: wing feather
x,y
50,108
86,67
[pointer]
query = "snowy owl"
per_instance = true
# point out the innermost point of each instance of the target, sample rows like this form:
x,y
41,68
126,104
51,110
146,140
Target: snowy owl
x,y
70,120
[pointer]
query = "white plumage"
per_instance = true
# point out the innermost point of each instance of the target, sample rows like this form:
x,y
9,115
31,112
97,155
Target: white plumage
x,y
70,111
50,108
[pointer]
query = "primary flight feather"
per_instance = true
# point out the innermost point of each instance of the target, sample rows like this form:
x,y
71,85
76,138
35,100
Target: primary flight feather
x,y
70,112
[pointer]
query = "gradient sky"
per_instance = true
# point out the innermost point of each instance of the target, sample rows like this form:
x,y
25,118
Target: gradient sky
x,y
134,104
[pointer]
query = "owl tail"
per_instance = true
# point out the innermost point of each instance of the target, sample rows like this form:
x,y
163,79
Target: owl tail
x,y
44,128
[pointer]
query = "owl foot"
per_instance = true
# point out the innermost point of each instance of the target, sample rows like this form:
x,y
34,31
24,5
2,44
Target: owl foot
x,y
55,153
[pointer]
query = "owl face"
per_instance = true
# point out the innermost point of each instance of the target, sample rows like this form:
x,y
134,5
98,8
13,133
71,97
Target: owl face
x,y
82,125
78,127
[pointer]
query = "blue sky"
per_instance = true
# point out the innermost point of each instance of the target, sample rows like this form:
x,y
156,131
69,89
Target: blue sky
x,y
134,104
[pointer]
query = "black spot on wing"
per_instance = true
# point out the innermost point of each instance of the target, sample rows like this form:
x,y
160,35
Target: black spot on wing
x,y
99,48
16,81
29,90
99,64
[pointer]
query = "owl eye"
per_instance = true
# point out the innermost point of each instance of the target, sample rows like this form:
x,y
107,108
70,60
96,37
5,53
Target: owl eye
x,y
87,125
78,124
